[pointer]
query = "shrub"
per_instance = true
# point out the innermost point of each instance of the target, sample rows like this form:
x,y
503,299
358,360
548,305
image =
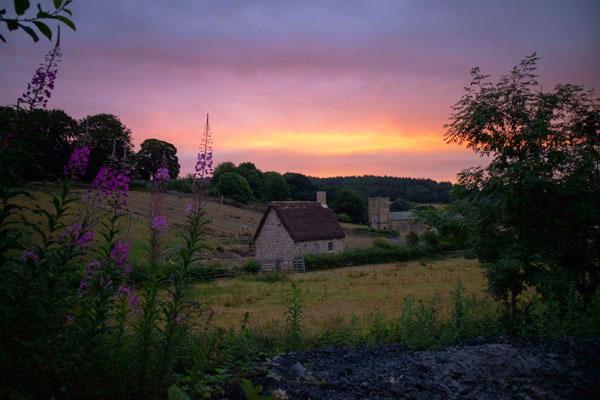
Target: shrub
x,y
183,185
412,239
252,266
381,252
342,217
431,237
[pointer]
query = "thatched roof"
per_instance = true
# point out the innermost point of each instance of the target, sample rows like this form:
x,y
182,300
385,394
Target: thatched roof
x,y
305,220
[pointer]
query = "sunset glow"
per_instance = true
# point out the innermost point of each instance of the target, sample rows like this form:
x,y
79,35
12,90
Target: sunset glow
x,y
327,88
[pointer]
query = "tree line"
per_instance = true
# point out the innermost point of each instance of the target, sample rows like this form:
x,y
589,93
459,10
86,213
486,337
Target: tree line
x,y
51,135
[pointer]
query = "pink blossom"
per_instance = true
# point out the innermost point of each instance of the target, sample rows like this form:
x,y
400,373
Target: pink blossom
x,y
78,162
120,253
30,255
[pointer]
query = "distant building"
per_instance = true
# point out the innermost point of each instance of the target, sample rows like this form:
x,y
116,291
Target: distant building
x,y
380,217
292,228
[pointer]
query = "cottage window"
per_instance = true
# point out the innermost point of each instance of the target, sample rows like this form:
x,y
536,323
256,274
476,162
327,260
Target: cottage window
x,y
330,246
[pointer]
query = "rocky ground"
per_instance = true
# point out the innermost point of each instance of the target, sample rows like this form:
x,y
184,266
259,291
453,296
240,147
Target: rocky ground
x,y
480,368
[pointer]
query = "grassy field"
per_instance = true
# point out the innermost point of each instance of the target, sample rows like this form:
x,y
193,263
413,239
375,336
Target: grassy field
x,y
336,295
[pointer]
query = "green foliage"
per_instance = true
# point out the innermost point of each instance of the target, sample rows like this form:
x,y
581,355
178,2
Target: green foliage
x,y
234,186
448,222
350,203
294,320
301,187
431,238
251,392
220,169
175,393
412,238
401,205
381,252
39,19
534,217
45,134
183,185
343,217
252,266
254,176
152,155
104,130
409,189
276,188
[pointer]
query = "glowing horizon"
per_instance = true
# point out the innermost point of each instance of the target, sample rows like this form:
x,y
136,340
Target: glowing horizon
x,y
327,89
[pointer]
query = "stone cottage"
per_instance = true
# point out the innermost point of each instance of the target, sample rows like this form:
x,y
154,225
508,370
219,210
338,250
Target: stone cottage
x,y
292,228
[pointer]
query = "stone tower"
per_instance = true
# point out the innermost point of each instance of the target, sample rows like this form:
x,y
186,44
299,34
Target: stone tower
x,y
379,212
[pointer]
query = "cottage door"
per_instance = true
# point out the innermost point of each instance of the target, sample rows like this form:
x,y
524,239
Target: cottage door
x,y
315,248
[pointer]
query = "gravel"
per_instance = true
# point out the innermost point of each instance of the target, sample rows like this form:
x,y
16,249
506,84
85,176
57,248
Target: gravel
x,y
480,368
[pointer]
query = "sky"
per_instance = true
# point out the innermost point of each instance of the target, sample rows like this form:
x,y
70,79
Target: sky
x,y
323,88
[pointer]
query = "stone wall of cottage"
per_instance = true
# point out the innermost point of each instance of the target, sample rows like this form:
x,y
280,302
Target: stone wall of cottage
x,y
322,246
274,242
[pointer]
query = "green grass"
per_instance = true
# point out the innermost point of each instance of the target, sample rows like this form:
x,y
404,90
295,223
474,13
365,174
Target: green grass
x,y
338,293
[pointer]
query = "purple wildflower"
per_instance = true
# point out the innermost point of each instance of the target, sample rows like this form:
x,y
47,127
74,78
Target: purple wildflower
x,y
70,319
78,162
112,184
30,255
181,319
134,303
162,174
39,89
120,253
159,225
4,139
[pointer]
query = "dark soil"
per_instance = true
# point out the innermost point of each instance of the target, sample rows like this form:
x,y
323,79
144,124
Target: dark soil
x,y
480,368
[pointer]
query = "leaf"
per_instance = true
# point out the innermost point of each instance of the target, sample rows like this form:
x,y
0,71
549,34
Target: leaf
x,y
21,6
67,11
57,4
175,393
44,29
66,21
11,24
31,32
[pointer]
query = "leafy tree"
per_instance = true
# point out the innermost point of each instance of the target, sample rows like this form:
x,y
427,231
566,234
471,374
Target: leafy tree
x,y
254,176
104,130
234,186
535,210
410,189
301,187
153,153
47,134
276,188
222,168
400,205
350,203
29,22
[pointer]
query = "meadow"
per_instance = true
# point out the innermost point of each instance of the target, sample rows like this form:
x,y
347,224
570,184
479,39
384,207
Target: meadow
x,y
337,294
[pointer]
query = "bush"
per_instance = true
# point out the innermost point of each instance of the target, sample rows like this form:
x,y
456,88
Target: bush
x,y
412,239
381,252
183,185
431,238
342,217
252,266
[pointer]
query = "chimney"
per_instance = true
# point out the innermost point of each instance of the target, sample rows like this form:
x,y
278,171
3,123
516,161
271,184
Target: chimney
x,y
322,198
